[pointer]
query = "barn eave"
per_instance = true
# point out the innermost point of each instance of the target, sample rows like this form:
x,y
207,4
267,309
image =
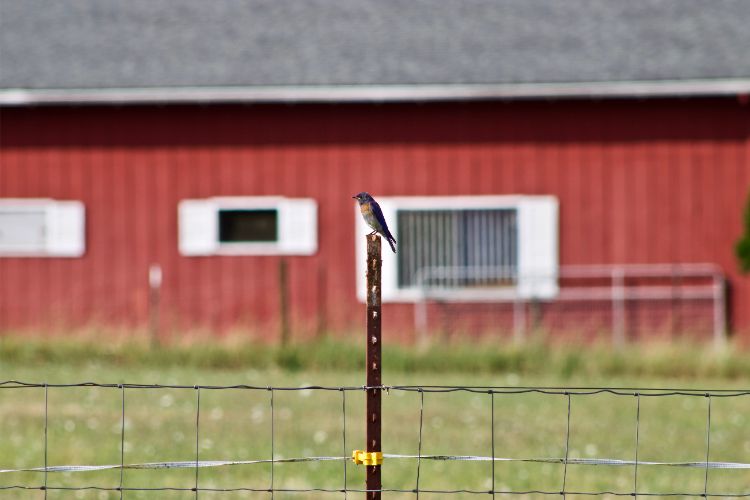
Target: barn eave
x,y
374,93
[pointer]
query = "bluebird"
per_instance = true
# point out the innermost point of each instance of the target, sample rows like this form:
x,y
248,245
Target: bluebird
x,y
373,215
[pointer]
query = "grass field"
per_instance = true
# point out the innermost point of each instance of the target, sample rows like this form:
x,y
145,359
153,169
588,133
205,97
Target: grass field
x,y
84,424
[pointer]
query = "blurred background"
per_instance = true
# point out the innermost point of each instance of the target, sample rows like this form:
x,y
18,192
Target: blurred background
x,y
556,174
541,169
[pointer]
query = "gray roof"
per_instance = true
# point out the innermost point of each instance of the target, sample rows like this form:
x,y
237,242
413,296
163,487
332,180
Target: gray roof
x,y
141,46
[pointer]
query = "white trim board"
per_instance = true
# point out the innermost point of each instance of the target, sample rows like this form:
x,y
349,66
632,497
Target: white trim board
x,y
375,92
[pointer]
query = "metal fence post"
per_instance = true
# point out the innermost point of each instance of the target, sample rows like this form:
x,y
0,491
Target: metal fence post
x,y
519,320
373,364
720,312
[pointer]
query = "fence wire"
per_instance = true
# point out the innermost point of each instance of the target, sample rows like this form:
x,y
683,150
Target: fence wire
x,y
491,391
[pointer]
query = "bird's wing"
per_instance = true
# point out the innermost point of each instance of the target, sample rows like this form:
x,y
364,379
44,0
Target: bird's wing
x,y
381,220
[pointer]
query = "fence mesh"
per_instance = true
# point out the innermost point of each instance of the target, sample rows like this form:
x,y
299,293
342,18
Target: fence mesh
x,y
570,395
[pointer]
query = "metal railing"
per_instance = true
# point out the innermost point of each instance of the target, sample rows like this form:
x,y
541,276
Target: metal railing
x,y
616,284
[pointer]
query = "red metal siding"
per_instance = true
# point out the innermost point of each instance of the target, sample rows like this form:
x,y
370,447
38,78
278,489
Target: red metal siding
x,y
653,181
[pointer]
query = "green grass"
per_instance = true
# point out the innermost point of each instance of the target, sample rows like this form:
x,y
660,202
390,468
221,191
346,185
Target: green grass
x,y
84,423
688,361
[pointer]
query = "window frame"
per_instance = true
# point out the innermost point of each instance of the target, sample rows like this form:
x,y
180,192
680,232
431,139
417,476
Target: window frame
x,y
64,227
537,223
296,226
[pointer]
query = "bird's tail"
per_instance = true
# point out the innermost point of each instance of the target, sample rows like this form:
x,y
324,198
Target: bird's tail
x,y
392,242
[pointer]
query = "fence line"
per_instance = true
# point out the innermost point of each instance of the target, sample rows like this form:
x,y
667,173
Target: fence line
x,y
615,284
481,389
461,458
491,391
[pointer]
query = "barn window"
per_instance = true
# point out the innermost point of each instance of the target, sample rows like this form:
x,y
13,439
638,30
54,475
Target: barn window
x,y
23,230
467,248
457,248
248,225
33,227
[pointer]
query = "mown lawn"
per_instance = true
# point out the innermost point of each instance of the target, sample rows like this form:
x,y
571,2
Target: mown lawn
x,y
84,423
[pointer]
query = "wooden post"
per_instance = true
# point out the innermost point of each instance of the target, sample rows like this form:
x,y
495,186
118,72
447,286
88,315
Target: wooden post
x,y
322,326
154,300
283,303
618,307
373,364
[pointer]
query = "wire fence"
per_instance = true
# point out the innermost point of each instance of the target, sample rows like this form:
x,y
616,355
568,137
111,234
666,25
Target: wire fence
x,y
570,395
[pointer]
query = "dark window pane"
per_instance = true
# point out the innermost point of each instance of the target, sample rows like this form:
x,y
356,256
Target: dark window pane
x,y
237,226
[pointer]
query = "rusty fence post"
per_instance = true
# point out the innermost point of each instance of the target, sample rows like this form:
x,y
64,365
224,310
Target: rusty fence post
x,y
373,364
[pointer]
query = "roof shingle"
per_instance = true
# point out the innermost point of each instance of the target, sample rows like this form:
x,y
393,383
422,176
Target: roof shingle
x,y
95,44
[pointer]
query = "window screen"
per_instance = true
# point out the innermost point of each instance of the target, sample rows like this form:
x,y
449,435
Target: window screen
x,y
245,226
457,248
22,231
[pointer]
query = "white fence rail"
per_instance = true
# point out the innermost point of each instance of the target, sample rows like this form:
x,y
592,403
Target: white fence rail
x,y
617,285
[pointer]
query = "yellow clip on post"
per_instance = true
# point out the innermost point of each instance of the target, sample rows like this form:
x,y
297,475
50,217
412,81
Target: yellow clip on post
x,y
363,458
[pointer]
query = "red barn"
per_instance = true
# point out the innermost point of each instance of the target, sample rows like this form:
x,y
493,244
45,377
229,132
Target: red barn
x,y
579,164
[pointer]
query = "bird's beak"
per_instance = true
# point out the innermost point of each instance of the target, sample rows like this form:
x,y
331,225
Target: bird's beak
x,y
354,197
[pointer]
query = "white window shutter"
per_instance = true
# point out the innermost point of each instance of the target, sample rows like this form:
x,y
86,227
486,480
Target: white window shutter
x,y
198,227
298,226
66,229
538,247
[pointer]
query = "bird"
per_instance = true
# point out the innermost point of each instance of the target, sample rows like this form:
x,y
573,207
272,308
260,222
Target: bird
x,y
373,216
